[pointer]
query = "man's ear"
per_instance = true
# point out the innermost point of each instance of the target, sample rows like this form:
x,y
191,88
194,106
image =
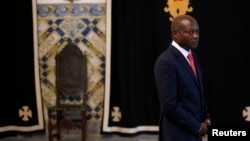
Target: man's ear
x,y
174,34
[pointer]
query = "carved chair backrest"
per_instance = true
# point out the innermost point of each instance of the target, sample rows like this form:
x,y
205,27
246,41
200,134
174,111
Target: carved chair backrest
x,y
71,76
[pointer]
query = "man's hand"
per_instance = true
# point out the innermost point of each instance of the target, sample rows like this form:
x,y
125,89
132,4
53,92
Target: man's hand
x,y
203,129
207,121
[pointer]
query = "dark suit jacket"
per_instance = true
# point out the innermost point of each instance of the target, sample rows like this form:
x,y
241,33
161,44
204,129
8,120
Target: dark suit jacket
x,y
181,97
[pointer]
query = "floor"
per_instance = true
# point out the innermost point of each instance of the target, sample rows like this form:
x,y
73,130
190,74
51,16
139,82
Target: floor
x,y
93,138
141,137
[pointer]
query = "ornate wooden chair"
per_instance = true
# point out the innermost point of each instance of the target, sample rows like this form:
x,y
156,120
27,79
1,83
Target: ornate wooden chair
x,y
71,93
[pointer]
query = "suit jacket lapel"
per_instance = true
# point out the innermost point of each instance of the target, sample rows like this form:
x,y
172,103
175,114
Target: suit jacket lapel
x,y
182,60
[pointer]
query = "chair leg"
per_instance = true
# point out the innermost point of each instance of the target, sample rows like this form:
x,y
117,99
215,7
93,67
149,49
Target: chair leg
x,y
58,122
83,125
50,125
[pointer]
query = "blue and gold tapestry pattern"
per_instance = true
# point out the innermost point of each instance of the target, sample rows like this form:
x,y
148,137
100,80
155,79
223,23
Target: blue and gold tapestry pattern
x,y
84,25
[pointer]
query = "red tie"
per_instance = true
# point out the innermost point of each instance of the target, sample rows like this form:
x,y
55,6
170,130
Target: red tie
x,y
191,60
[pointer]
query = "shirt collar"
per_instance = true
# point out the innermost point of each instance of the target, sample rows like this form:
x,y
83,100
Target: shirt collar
x,y
183,51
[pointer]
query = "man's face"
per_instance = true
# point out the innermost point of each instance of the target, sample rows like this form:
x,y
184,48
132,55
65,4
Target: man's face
x,y
188,34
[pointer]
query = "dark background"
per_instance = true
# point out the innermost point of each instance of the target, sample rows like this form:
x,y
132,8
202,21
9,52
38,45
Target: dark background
x,y
140,32
18,85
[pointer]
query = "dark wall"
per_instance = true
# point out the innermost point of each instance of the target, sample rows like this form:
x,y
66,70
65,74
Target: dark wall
x,y
141,31
17,54
224,49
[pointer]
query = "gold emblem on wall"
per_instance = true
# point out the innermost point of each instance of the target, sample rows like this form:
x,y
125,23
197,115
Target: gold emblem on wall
x,y
25,113
246,113
177,7
116,114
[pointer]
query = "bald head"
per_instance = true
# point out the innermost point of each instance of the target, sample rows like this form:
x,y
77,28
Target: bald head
x,y
181,21
185,31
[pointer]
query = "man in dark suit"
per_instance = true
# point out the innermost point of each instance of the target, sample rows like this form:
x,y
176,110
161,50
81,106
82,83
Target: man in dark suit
x,y
184,116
